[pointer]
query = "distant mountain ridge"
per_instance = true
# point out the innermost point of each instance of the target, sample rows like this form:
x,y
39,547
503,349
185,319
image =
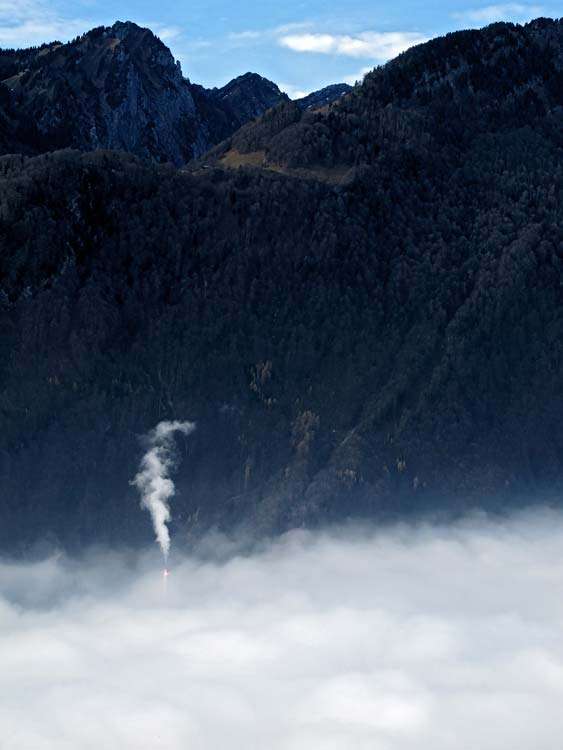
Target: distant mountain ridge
x,y
119,88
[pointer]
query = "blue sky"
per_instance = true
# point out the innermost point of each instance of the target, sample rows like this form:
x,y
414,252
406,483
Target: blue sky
x,y
300,44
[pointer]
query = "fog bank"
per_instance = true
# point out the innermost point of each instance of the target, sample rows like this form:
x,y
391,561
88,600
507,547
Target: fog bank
x,y
407,638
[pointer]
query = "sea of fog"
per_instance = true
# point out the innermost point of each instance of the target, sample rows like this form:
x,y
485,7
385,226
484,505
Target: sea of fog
x,y
426,637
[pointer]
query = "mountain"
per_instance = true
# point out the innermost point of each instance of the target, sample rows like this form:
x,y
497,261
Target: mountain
x,y
224,110
120,88
361,306
441,94
249,96
325,96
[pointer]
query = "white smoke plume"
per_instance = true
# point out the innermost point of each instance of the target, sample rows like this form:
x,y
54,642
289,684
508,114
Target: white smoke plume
x,y
153,480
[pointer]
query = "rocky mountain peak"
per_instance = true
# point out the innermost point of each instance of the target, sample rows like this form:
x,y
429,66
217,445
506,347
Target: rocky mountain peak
x,y
126,43
251,80
124,29
119,87
251,95
114,87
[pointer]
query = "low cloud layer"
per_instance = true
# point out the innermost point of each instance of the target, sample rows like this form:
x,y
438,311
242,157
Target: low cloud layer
x,y
441,638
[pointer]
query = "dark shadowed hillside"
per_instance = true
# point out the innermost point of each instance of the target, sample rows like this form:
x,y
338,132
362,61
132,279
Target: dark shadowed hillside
x,y
365,318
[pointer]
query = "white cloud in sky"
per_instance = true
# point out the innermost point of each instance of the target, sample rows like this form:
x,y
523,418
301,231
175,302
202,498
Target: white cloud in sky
x,y
166,33
369,44
403,639
28,22
501,12
359,76
294,92
301,37
268,34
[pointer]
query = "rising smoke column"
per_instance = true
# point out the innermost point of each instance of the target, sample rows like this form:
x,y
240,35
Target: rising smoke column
x,y
153,480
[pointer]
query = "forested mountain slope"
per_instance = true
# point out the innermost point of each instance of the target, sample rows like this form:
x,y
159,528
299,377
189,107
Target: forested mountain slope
x,y
367,323
435,96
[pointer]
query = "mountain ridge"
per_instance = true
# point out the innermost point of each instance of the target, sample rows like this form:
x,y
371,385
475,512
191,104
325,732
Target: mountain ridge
x,y
120,88
405,101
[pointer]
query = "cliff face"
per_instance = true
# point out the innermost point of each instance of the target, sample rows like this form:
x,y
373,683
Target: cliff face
x,y
120,88
364,318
